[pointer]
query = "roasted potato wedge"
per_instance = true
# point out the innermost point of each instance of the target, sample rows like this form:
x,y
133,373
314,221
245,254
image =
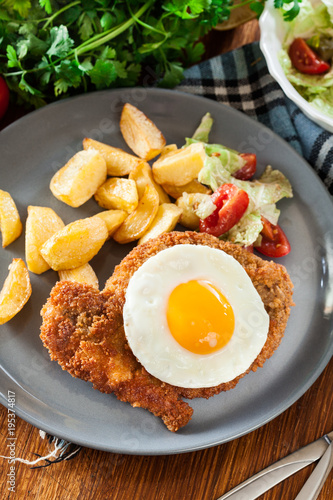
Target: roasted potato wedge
x,y
192,187
180,167
118,162
79,179
82,274
188,203
169,148
42,223
142,175
113,219
10,222
165,220
16,291
140,133
75,244
118,194
139,221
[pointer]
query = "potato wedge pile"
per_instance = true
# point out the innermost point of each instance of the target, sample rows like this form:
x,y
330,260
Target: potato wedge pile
x,y
133,195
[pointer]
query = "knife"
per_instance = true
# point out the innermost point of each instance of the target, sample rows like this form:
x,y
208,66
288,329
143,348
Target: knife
x,y
256,485
314,484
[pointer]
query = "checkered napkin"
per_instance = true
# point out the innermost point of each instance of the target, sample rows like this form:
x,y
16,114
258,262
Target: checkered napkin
x,y
241,79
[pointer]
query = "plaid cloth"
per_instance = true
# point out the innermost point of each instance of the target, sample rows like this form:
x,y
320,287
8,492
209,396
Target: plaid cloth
x,y
241,79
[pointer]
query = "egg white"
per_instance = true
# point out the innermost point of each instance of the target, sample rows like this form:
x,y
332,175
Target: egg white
x,y
146,326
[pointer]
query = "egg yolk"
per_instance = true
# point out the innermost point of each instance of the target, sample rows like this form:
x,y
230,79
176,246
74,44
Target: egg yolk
x,y
200,317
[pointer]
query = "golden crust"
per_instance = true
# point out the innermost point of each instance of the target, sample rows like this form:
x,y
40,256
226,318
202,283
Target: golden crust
x,y
83,329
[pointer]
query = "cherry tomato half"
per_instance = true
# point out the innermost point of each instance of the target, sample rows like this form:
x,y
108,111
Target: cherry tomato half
x,y
231,204
4,97
245,173
305,59
274,242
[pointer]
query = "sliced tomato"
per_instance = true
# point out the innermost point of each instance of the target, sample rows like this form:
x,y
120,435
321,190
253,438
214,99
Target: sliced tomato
x,y
245,173
231,204
4,97
274,242
305,59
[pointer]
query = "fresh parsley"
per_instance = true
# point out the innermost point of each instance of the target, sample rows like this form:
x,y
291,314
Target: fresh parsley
x,y
52,48
292,12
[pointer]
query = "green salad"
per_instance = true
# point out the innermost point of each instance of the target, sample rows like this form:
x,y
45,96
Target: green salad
x,y
220,167
314,24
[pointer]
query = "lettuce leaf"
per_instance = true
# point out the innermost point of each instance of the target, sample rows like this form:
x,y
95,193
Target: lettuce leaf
x,y
203,131
216,167
271,187
213,174
247,230
329,6
205,208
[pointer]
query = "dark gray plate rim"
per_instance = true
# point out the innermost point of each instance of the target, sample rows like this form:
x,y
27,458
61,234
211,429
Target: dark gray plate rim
x,y
48,398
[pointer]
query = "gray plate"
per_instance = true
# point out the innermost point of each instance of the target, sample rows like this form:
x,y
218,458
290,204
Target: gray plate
x,y
32,149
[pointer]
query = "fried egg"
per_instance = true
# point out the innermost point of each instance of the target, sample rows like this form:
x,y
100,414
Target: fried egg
x,y
193,318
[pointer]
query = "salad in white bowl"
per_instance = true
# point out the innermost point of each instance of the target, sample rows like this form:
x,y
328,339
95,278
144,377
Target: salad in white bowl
x,y
299,56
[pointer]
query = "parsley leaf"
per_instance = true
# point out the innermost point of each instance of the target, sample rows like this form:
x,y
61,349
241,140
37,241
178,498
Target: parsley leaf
x,y
103,74
13,61
133,73
120,69
106,21
60,86
61,43
69,75
173,75
194,53
35,46
107,53
289,14
47,5
24,85
257,7
86,27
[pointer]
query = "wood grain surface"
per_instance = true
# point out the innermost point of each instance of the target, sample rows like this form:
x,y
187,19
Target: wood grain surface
x,y
202,475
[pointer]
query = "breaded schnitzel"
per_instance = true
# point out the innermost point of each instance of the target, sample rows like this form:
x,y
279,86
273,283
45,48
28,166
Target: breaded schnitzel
x,y
83,329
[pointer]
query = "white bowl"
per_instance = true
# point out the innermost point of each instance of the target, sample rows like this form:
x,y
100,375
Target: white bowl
x,y
273,29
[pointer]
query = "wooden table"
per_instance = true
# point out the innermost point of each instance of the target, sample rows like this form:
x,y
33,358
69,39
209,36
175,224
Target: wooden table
x,y
202,475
